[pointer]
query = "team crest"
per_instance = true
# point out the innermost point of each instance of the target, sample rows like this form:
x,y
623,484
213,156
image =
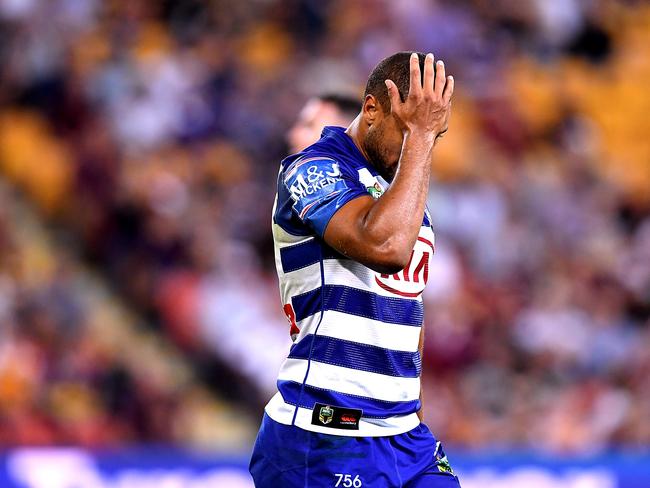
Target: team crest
x,y
326,414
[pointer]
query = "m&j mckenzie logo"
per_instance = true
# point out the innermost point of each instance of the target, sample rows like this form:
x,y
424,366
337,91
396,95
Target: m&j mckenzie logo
x,y
326,414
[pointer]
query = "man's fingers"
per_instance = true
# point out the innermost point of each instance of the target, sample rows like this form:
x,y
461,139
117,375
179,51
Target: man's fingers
x,y
415,83
393,94
440,78
429,74
449,89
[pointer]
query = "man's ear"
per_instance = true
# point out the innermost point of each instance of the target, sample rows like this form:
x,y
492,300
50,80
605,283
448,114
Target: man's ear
x,y
371,111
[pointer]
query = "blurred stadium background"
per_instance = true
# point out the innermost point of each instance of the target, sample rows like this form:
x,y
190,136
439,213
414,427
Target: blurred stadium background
x,y
140,323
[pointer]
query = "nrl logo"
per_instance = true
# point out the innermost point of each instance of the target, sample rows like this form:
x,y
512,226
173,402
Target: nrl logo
x,y
326,414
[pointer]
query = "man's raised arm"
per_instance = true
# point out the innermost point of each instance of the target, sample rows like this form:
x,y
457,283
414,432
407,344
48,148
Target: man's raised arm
x,y
381,233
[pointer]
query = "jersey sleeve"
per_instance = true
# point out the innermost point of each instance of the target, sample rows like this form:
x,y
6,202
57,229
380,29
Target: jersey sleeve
x,y
318,188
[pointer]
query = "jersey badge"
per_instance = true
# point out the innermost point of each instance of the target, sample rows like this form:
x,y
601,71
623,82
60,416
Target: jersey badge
x,y
371,183
326,414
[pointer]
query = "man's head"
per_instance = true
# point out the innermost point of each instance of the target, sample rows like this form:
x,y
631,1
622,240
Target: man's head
x,y
381,138
328,109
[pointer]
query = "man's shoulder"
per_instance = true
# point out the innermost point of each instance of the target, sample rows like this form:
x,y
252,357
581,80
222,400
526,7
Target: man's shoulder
x,y
313,162
316,169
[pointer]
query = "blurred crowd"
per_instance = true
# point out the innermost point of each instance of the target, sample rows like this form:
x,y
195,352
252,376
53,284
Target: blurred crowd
x,y
152,132
74,366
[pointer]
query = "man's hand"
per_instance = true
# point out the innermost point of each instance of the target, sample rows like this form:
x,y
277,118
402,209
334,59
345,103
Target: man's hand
x,y
428,104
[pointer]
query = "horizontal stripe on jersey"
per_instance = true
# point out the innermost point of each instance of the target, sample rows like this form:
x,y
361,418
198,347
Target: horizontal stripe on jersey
x,y
360,329
358,302
337,272
294,392
304,254
351,381
358,356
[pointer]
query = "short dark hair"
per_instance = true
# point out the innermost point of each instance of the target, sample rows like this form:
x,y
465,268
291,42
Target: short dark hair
x,y
396,68
346,104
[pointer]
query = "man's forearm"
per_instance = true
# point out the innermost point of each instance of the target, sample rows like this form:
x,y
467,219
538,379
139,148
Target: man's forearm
x,y
396,217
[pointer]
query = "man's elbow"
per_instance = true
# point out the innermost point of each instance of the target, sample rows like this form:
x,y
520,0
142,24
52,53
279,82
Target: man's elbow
x,y
391,257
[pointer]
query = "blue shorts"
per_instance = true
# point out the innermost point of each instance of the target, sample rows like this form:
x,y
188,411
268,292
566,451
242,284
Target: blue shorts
x,y
289,457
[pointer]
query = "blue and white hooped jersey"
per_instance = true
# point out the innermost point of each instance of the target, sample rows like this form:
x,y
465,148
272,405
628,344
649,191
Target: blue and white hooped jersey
x,y
354,367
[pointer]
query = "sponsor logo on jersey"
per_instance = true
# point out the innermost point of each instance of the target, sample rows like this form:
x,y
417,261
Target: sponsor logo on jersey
x,y
410,282
314,178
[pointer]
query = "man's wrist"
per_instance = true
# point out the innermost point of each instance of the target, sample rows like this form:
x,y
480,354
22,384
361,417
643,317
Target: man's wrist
x,y
427,137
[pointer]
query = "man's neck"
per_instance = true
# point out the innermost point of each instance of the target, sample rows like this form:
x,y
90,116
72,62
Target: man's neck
x,y
357,133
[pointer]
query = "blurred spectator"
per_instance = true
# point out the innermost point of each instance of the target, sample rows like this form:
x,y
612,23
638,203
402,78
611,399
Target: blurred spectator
x,y
318,112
